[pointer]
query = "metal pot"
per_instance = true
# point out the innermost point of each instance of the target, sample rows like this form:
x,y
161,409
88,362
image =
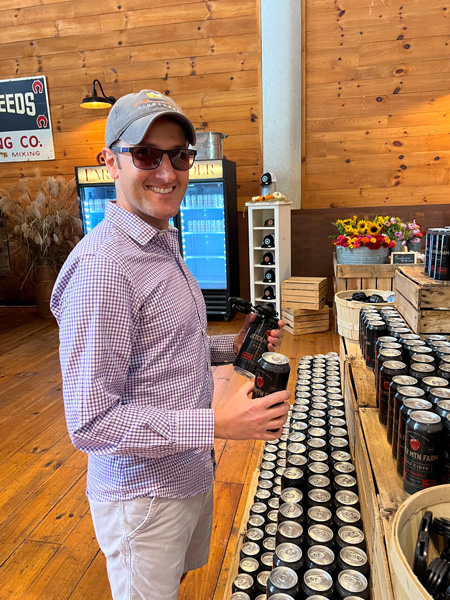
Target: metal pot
x,y
209,145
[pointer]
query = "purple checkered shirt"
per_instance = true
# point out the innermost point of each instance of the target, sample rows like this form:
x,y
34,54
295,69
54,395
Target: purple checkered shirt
x,y
136,361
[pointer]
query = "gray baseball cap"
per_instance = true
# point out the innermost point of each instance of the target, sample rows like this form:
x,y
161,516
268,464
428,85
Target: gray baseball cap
x,y
132,115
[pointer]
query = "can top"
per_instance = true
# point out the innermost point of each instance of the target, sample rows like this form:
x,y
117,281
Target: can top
x,y
344,467
319,513
428,417
319,481
318,467
262,577
250,548
441,392
318,456
347,498
291,510
341,456
244,581
317,495
239,596
320,533
415,404
288,552
353,556
290,529
345,480
435,382
412,392
275,358
348,515
395,365
283,578
350,534
420,367
352,581
404,380
318,580
249,564
321,555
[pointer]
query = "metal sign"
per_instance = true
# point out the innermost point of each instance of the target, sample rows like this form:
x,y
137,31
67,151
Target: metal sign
x,y
25,127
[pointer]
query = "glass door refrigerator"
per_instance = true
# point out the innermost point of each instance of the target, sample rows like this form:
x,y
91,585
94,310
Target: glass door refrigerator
x,y
206,221
207,224
95,187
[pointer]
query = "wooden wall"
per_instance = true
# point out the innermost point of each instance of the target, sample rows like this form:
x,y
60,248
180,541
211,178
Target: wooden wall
x,y
205,54
377,100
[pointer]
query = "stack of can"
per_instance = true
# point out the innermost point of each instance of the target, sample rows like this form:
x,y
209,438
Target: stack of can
x,y
437,254
304,532
412,393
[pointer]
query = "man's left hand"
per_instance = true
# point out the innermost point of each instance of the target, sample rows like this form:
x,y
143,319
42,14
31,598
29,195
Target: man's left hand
x,y
274,336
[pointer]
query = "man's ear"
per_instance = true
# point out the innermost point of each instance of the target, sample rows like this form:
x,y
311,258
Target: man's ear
x,y
111,162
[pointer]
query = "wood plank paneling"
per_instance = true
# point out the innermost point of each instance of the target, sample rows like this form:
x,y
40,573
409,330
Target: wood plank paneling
x,y
376,91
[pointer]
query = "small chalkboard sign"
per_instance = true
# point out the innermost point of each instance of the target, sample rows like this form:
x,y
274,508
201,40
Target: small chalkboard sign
x,y
403,258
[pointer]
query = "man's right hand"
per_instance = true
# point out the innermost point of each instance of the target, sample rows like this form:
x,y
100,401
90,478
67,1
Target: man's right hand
x,y
239,417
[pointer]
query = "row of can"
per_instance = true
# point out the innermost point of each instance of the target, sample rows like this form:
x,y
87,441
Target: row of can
x,y
437,254
304,532
412,379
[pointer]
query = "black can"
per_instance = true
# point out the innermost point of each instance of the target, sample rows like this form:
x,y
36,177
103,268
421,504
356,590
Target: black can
x,y
446,448
442,408
409,405
422,451
321,557
444,371
317,497
397,381
290,532
429,383
283,580
255,341
421,370
293,477
352,583
442,264
375,329
347,515
317,581
319,515
385,354
249,565
321,535
388,370
243,582
350,536
403,392
288,555
272,374
290,511
438,393
347,499
353,558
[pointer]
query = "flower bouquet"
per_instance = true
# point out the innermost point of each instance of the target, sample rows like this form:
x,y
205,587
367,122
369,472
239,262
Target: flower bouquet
x,y
403,233
360,241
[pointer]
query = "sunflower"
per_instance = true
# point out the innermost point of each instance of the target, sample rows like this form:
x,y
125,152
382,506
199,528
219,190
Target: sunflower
x,y
374,228
363,227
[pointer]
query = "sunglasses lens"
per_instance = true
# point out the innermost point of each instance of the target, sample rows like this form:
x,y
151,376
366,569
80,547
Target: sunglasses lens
x,y
182,160
147,158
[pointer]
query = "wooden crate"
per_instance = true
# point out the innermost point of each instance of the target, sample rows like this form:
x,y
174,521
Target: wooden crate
x,y
308,293
362,277
423,302
301,322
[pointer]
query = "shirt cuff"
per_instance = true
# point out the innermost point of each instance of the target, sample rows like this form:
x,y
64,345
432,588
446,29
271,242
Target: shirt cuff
x,y
222,349
194,429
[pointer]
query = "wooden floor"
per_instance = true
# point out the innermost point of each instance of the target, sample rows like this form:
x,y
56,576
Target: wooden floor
x,y
47,546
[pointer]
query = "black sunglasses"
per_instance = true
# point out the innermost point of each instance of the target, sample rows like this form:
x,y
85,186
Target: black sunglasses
x,y
148,158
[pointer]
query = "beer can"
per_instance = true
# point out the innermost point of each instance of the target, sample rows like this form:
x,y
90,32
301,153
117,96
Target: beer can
x,y
345,482
422,451
254,534
442,408
388,370
321,535
255,521
291,532
340,456
428,383
283,580
250,549
243,582
270,529
348,499
317,581
444,371
446,448
348,535
375,329
291,495
266,560
248,565
272,374
408,406
290,511
288,555
292,477
318,456
274,503
345,467
319,515
338,443
319,481
239,596
353,558
318,497
316,443
442,263
347,515
421,370
350,582
434,337
297,460
407,391
261,581
318,468
386,353
320,557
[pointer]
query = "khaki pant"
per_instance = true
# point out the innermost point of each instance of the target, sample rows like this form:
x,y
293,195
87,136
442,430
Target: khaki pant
x,y
150,542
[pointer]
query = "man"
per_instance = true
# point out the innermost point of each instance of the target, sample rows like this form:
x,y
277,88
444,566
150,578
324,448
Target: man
x,y
136,362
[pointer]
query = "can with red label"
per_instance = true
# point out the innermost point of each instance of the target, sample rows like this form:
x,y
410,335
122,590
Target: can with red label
x,y
388,369
272,374
422,451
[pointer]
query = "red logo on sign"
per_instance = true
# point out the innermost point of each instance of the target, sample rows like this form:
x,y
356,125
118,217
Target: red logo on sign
x,y
415,444
259,381
37,87
41,121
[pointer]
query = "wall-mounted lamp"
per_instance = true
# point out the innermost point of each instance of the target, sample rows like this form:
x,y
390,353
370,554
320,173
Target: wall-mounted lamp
x,y
96,101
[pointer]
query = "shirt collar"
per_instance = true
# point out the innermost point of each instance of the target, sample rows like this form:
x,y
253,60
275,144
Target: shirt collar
x,y
135,227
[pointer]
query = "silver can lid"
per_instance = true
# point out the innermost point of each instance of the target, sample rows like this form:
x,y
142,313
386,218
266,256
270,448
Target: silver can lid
x,y
262,577
271,529
290,529
275,358
256,520
295,438
319,513
337,422
441,392
352,581
265,484
339,432
428,417
318,580
273,503
345,467
249,564
298,459
317,495
244,581
296,447
320,533
239,596
410,391
435,381
290,510
348,498
267,559
250,548
355,557
289,552
293,473
417,404
269,543
321,555
404,380
350,534
341,456
272,516
291,494
318,456
338,442
258,508
317,442
269,456
283,578
318,467
254,534
348,515
319,481
345,480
